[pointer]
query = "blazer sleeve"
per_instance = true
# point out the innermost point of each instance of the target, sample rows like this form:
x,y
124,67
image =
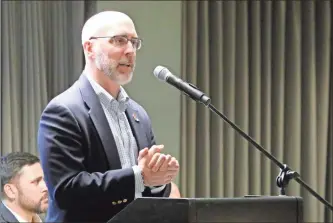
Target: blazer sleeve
x,y
60,144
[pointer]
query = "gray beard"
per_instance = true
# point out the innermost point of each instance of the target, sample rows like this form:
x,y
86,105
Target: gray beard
x,y
108,68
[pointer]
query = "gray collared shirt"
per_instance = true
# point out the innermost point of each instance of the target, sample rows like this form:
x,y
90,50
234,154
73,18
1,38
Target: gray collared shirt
x,y
114,110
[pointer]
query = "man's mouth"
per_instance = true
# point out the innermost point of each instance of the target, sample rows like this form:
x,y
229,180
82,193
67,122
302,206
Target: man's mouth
x,y
45,197
126,64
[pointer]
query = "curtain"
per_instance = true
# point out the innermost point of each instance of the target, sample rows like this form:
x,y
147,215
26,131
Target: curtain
x,y
41,55
266,66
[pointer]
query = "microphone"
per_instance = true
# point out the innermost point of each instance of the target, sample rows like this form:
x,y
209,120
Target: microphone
x,y
285,175
163,74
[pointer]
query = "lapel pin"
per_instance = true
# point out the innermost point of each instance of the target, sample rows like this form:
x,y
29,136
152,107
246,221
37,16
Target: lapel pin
x,y
136,117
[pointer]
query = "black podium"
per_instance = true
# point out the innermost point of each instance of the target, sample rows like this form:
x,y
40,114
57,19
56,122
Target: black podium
x,y
213,210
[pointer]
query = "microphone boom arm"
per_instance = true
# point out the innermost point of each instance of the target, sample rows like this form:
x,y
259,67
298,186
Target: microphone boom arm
x,y
286,174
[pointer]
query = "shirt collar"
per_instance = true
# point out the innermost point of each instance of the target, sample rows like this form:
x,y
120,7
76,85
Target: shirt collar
x,y
19,218
118,105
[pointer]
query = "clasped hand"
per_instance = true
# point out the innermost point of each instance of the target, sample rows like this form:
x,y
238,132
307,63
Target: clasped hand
x,y
157,168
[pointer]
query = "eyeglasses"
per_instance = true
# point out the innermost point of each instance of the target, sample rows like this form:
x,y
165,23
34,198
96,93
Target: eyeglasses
x,y
122,41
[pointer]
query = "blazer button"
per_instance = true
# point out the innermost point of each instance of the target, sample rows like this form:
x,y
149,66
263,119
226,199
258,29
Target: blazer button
x,y
114,203
119,202
125,200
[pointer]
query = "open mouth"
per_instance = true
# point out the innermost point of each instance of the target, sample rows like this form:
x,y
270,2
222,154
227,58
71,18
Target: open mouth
x,y
125,64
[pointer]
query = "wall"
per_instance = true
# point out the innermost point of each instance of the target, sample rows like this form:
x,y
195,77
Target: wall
x,y
159,24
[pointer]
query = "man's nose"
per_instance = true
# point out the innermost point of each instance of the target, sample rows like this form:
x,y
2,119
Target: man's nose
x,y
43,186
130,48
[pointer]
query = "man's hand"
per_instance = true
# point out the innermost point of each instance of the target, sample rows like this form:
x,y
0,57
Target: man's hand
x,y
165,174
161,162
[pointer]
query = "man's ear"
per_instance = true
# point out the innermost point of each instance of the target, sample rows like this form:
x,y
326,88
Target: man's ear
x,y
10,190
88,48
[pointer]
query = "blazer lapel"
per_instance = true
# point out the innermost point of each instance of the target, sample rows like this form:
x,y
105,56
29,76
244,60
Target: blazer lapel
x,y
135,121
99,120
6,214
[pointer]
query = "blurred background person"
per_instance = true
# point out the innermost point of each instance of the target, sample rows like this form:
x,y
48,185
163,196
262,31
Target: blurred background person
x,y
24,193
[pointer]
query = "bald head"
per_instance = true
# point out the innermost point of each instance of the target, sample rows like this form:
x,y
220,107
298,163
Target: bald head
x,y
110,56
103,23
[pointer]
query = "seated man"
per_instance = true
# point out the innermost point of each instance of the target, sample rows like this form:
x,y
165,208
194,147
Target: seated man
x,y
24,193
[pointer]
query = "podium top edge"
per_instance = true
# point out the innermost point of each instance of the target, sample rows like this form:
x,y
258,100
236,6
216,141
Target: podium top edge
x,y
226,198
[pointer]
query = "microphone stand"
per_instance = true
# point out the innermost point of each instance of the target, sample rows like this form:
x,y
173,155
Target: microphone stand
x,y
285,175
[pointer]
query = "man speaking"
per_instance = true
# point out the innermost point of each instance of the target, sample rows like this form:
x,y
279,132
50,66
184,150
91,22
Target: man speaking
x,y
96,144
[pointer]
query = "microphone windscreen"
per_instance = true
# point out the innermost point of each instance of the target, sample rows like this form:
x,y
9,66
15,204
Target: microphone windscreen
x,y
161,73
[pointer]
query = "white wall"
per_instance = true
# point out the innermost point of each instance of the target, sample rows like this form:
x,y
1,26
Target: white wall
x,y
159,24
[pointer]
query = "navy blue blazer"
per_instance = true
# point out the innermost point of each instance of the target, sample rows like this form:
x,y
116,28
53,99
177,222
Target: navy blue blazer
x,y
80,160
